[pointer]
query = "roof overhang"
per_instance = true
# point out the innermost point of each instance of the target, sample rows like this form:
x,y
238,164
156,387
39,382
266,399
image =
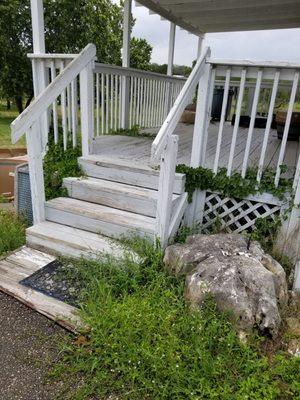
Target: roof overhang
x,y
203,16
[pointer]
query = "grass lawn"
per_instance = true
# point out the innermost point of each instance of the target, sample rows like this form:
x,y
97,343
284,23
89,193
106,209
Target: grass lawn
x,y
6,117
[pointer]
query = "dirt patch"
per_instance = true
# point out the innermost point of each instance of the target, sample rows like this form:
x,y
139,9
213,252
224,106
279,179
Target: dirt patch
x,y
28,350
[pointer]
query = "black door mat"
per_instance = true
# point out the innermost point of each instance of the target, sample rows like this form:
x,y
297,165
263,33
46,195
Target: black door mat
x,y
54,280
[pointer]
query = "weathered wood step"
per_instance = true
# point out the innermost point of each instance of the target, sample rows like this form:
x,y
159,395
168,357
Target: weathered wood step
x,y
114,194
97,218
58,239
121,171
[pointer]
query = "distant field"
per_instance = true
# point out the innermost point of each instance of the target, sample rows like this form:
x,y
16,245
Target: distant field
x,y
6,117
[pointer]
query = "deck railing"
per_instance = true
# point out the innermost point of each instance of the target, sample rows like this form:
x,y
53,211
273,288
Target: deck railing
x,y
266,81
80,93
64,110
260,90
29,121
149,98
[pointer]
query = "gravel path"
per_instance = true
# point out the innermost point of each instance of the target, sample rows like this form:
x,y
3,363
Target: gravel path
x,y
27,352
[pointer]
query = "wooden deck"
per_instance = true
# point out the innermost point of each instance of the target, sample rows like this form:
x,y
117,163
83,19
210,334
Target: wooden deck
x,y
23,263
137,150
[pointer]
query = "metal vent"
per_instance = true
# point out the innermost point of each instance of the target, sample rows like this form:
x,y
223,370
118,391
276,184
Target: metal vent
x,y
24,194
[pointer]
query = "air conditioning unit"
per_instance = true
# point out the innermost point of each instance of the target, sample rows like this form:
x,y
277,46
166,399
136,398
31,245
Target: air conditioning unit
x,y
23,201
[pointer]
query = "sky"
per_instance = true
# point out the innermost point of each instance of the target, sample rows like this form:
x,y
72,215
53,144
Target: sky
x,y
276,45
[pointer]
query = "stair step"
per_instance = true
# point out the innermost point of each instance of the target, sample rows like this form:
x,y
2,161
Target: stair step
x,y
98,218
121,171
114,194
54,238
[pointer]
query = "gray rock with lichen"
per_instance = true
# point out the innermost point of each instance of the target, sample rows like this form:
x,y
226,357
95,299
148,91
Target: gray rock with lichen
x,y
242,278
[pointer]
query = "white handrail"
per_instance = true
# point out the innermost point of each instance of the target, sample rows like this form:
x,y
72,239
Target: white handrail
x,y
51,56
176,111
133,72
249,63
32,113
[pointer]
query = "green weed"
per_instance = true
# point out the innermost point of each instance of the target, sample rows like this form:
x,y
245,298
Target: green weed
x,y
12,231
145,343
60,164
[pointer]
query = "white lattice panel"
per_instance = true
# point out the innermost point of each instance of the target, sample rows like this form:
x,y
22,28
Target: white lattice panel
x,y
235,215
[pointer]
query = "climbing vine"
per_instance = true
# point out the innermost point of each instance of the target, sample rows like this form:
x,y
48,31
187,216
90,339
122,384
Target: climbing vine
x,y
234,185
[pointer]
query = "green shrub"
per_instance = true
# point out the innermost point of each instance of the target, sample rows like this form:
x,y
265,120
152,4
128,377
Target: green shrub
x,y
60,164
12,231
145,343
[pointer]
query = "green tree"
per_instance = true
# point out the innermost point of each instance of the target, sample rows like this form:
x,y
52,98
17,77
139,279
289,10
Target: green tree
x,y
140,53
15,43
69,26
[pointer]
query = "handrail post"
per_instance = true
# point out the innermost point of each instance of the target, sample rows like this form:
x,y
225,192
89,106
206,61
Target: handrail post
x,y
87,107
38,66
288,239
204,99
202,117
165,190
35,163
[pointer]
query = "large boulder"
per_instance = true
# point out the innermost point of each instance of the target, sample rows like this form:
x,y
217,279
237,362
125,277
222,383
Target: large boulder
x,y
240,275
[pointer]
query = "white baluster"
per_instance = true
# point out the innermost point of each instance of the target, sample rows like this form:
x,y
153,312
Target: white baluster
x,y
54,105
86,107
252,122
287,127
268,126
237,121
222,119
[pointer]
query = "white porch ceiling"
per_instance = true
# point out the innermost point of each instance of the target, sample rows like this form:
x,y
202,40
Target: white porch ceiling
x,y
201,16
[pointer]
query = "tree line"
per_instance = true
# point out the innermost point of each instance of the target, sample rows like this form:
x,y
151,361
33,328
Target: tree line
x,y
69,26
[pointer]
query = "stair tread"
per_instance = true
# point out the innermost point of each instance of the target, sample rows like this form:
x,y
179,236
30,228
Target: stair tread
x,y
103,213
74,237
116,187
124,164
124,171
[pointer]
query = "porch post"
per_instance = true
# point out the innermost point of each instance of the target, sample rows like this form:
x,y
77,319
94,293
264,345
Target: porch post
x,y
126,63
171,48
38,67
200,45
170,63
288,239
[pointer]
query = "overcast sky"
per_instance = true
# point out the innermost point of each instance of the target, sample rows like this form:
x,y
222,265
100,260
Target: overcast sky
x,y
278,45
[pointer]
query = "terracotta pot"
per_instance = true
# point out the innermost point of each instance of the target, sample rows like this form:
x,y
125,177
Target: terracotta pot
x,y
191,107
188,117
9,159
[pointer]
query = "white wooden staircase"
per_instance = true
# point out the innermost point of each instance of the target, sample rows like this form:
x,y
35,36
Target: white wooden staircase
x,y
113,199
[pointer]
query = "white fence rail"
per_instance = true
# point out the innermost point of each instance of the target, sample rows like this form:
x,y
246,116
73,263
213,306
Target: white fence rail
x,y
151,96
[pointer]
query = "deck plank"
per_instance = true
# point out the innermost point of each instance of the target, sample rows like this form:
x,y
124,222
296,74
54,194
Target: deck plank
x,y
12,271
138,150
